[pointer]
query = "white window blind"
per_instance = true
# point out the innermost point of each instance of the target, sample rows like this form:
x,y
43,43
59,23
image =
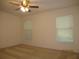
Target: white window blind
x,y
28,30
64,26
28,25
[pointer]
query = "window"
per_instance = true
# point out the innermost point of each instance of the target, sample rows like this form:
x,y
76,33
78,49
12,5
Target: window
x,y
64,26
28,30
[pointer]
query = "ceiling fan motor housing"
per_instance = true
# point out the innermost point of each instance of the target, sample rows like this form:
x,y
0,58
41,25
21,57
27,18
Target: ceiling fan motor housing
x,y
25,3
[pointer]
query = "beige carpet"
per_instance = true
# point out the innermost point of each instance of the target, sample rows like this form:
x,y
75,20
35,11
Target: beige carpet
x,y
30,52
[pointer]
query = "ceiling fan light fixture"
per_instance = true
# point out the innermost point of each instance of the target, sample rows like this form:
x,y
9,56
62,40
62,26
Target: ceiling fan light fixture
x,y
24,9
27,9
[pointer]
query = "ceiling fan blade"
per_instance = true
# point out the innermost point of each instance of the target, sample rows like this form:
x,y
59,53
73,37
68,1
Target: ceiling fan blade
x,y
34,6
14,3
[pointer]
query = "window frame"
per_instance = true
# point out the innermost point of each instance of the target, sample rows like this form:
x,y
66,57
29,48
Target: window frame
x,y
71,28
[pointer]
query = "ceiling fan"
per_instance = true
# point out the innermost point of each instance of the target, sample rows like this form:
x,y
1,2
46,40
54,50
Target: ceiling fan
x,y
23,5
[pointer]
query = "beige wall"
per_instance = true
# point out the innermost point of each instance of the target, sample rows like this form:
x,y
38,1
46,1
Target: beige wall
x,y
44,29
10,30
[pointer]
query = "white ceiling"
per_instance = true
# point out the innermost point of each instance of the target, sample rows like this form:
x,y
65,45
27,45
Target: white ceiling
x,y
43,5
